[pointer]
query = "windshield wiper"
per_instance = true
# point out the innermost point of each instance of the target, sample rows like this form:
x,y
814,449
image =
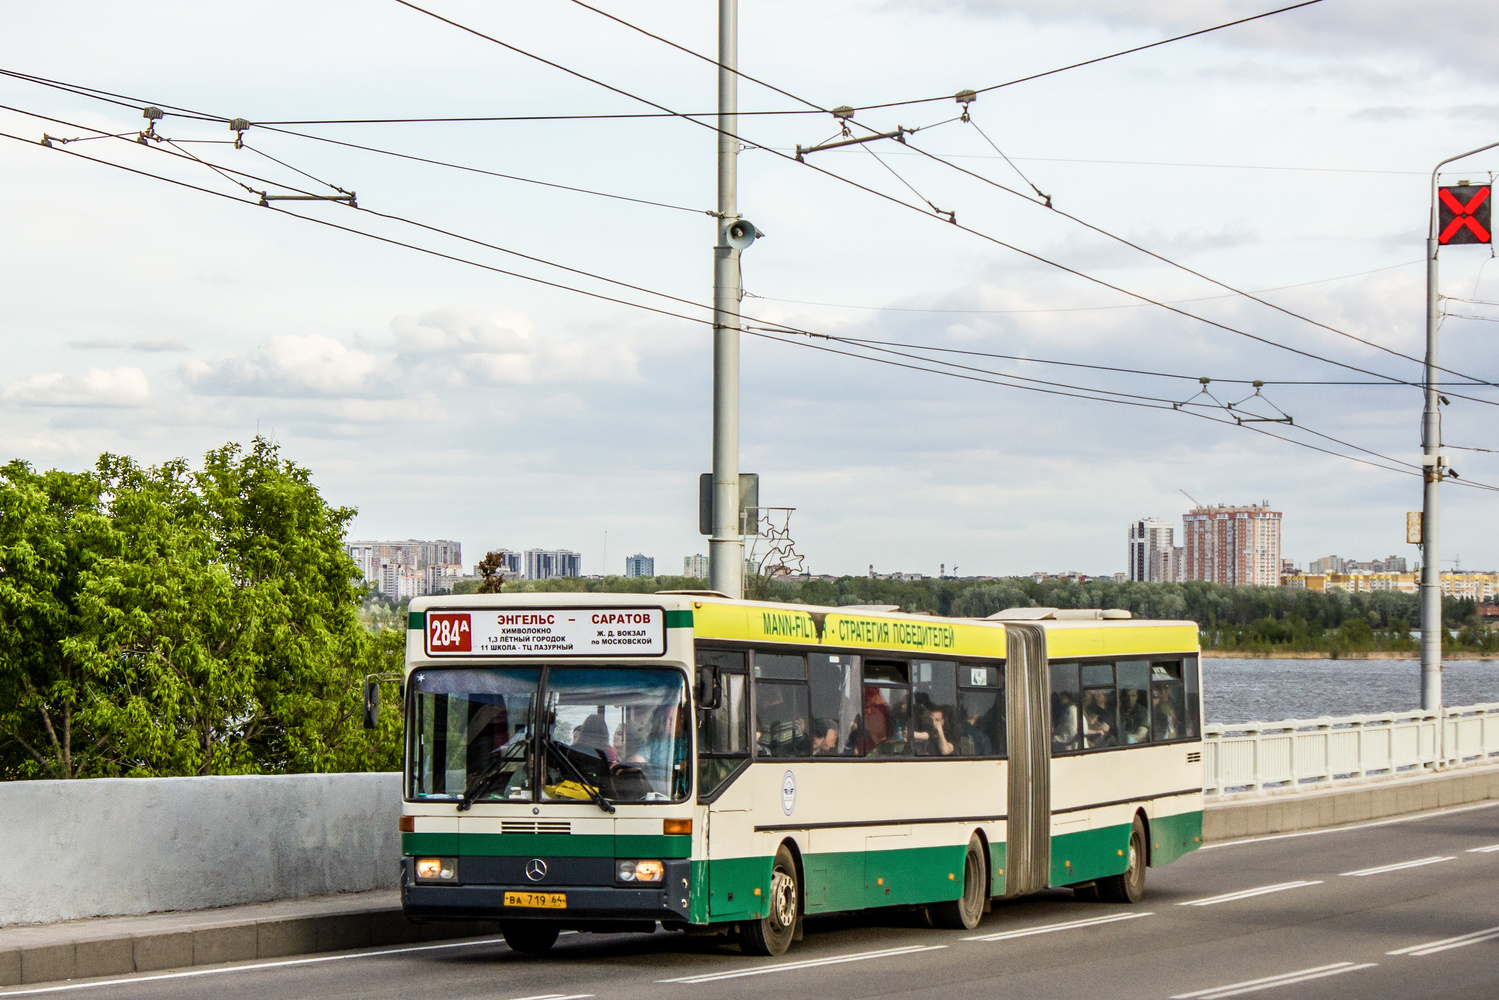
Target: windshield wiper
x,y
489,777
593,792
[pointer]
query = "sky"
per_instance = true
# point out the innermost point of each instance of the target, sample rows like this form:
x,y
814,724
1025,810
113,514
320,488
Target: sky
x,y
442,398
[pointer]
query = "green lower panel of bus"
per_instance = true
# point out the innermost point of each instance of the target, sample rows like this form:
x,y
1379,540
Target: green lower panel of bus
x,y
546,845
1173,836
1089,854
1092,854
833,882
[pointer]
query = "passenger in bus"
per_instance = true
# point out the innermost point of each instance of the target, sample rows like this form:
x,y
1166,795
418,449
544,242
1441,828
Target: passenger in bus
x,y
1134,717
592,736
931,733
1167,726
824,737
663,748
1063,721
973,741
780,731
876,728
1098,712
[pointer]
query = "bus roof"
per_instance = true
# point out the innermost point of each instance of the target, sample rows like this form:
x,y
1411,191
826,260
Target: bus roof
x,y
852,627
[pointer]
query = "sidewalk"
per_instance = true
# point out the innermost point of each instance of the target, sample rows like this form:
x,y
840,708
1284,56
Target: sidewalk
x,y
107,946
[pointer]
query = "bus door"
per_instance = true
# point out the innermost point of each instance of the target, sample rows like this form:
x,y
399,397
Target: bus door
x,y
1028,839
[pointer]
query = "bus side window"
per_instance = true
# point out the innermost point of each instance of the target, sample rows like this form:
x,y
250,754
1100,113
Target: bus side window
x,y
934,691
833,689
1100,706
885,725
723,731
1065,729
1167,700
981,711
1134,700
1194,700
781,722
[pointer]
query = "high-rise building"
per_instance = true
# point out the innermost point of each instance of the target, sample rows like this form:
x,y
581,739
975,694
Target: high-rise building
x,y
1232,545
695,566
405,569
640,565
548,564
1150,551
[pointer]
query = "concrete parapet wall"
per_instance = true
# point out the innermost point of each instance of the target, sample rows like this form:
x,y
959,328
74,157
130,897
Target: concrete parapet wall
x,y
1231,818
115,846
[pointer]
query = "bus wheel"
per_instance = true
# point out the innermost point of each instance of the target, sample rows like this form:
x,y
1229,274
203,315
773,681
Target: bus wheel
x,y
528,938
1129,887
965,912
772,935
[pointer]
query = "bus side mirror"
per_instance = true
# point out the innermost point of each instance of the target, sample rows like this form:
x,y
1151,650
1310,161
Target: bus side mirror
x,y
707,687
371,703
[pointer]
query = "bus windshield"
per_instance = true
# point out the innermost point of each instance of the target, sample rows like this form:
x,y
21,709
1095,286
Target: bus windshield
x,y
610,732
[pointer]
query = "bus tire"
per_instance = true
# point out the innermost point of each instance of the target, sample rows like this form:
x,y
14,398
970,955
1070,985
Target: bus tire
x,y
773,934
965,912
529,938
1128,887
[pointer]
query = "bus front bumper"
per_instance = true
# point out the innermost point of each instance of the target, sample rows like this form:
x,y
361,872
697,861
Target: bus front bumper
x,y
589,905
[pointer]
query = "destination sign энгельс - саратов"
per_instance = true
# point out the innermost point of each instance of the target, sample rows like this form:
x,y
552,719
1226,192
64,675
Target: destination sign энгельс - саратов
x,y
547,632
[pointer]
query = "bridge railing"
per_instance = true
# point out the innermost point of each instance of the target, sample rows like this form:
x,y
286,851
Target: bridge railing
x,y
1311,753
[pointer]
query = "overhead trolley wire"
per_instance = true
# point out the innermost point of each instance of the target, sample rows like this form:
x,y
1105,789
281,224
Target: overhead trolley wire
x,y
1208,278
704,321
1097,59
951,218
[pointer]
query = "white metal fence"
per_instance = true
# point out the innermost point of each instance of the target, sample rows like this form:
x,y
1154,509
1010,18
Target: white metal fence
x,y
1315,753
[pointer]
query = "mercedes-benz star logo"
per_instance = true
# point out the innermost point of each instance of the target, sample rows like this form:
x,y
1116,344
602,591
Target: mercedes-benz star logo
x,y
536,869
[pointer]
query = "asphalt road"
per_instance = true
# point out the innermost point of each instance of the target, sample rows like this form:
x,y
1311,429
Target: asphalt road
x,y
1402,909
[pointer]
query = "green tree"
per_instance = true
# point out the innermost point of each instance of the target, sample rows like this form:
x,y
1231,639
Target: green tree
x,y
51,532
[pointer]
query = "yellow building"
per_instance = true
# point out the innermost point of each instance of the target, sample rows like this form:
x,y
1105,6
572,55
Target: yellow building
x,y
1473,586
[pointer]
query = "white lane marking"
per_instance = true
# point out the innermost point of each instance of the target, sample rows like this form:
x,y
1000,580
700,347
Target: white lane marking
x,y
760,970
1462,940
1353,826
1048,928
1398,867
1229,897
1270,982
558,996
220,970
1483,850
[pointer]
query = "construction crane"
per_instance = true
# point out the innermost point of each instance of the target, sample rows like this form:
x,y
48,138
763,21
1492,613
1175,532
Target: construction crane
x,y
1195,501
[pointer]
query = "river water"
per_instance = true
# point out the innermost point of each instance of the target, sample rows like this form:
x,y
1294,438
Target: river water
x,y
1269,690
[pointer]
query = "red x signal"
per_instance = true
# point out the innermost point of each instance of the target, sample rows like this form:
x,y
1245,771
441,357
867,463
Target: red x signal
x,y
1464,215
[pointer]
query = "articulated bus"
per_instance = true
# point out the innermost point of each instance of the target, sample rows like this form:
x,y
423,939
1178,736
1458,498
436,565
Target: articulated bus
x,y
611,762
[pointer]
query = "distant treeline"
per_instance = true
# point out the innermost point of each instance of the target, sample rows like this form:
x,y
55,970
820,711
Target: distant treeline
x,y
1250,619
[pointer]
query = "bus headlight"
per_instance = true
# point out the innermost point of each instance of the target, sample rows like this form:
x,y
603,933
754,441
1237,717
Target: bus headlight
x,y
639,871
437,869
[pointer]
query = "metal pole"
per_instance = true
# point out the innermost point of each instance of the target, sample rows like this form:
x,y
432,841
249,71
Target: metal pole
x,y
1433,465
1431,442
726,546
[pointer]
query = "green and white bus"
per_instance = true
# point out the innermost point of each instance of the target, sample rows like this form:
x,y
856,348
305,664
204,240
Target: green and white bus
x,y
610,762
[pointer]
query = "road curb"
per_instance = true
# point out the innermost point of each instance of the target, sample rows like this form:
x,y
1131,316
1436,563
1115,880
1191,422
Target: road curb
x,y
210,938
1378,798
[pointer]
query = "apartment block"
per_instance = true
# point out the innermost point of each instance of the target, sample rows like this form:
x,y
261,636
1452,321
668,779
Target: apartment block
x,y
1232,545
1153,556
640,565
549,564
409,568
695,566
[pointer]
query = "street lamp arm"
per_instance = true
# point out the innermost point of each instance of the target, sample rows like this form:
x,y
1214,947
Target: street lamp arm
x,y
1434,172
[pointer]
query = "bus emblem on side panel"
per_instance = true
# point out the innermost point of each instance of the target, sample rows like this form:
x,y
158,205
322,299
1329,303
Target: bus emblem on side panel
x,y
788,793
536,869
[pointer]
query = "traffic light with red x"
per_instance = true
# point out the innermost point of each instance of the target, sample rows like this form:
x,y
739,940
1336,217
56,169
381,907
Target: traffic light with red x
x,y
1464,214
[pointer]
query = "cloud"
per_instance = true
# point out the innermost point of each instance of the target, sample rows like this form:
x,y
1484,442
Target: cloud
x,y
151,345
112,387
458,329
289,366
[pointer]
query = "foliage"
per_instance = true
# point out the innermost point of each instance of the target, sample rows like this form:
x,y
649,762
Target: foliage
x,y
163,620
